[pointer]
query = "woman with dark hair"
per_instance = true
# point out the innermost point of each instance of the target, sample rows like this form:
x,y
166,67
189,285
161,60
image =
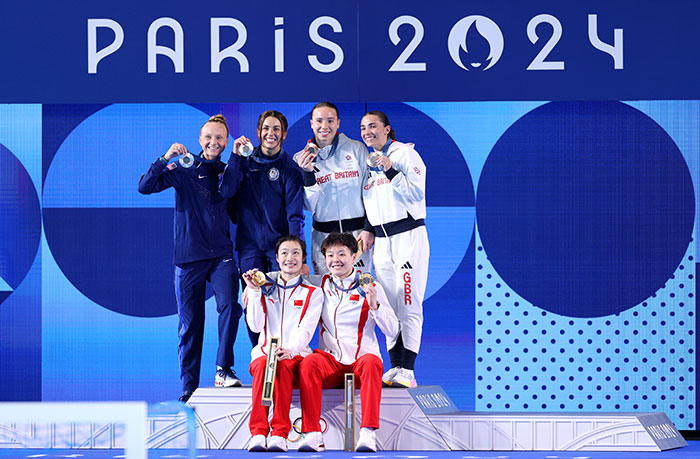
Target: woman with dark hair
x,y
269,203
394,199
334,167
286,307
347,343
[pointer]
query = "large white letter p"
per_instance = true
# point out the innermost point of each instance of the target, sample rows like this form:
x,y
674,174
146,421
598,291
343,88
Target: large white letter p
x,y
95,56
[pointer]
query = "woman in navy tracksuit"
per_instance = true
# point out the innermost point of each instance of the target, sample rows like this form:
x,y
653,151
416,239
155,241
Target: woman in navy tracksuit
x,y
203,249
269,203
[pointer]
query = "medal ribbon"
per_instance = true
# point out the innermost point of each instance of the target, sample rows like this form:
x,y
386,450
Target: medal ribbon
x,y
334,146
268,290
200,158
355,284
259,158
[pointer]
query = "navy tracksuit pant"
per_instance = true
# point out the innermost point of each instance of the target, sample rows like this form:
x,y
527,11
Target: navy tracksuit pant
x,y
190,290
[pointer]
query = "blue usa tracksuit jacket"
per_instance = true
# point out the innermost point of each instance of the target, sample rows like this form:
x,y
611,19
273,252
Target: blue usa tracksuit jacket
x,y
203,252
268,204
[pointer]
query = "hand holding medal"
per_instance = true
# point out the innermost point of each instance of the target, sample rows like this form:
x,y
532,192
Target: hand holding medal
x,y
307,157
259,278
178,149
378,162
243,146
254,279
367,286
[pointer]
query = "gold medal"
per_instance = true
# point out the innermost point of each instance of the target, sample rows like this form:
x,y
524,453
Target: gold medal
x,y
365,279
259,278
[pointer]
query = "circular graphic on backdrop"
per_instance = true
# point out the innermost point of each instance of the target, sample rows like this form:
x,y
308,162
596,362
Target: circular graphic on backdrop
x,y
585,209
449,187
20,225
112,243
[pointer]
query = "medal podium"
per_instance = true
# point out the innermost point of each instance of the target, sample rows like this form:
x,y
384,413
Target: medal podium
x,y
420,419
425,419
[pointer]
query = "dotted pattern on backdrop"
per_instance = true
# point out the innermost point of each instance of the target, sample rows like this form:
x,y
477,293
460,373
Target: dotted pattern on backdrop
x,y
641,360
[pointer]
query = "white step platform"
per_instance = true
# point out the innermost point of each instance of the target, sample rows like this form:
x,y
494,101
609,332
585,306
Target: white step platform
x,y
420,419
553,431
222,415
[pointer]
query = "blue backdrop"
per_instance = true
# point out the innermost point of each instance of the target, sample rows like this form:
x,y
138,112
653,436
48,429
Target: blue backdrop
x,y
562,270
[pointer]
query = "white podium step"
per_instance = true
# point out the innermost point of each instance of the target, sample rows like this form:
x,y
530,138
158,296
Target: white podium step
x,y
545,431
223,413
420,419
425,419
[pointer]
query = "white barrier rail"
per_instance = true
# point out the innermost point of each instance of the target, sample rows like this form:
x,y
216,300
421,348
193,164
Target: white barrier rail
x,y
131,414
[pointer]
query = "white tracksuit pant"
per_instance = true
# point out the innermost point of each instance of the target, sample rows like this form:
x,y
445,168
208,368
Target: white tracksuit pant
x,y
401,266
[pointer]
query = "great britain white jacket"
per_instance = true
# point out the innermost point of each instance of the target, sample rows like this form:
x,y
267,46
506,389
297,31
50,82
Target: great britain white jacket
x,y
393,195
333,191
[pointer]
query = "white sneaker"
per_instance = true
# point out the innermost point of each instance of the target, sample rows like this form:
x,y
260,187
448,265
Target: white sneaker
x,y
312,442
388,377
257,444
367,443
225,377
277,444
405,378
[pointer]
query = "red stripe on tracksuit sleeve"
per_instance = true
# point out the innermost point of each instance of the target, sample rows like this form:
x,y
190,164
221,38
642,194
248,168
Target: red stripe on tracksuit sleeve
x,y
306,303
364,313
264,345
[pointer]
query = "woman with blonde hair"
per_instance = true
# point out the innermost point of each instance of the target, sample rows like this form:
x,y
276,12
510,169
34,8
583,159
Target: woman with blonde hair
x,y
203,248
